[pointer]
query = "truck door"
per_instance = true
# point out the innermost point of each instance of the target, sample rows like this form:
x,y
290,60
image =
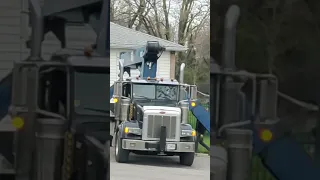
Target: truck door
x,y
126,90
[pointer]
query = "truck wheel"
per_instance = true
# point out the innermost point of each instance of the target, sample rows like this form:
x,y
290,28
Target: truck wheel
x,y
187,158
122,155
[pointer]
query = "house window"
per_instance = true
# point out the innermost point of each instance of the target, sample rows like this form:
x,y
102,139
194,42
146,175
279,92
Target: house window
x,y
121,54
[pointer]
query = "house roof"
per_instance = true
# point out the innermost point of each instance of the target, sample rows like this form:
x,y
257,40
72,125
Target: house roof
x,y
123,37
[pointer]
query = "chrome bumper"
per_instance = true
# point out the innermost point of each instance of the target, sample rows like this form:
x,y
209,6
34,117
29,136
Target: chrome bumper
x,y
139,145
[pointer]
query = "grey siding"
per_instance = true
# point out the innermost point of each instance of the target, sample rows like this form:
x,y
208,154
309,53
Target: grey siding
x,y
9,34
14,32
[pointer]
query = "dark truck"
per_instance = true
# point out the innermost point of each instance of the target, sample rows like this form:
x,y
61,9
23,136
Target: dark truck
x,y
59,106
60,103
153,118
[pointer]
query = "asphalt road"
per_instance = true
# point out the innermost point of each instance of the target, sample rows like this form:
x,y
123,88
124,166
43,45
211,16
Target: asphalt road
x,y
159,168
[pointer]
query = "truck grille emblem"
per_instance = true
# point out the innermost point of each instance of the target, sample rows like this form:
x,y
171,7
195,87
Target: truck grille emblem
x,y
162,112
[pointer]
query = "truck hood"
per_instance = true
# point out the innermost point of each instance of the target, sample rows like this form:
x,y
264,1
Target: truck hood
x,y
157,103
161,108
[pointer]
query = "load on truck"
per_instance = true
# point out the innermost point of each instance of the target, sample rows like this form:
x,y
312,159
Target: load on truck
x,y
151,113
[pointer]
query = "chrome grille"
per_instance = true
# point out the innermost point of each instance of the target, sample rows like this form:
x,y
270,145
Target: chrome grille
x,y
154,126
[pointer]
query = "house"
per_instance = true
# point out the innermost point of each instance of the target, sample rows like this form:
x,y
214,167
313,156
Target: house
x,y
123,39
14,31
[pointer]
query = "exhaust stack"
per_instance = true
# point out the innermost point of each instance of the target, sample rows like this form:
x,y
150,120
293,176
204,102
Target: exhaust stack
x,y
183,65
121,67
181,81
239,141
103,35
229,44
36,19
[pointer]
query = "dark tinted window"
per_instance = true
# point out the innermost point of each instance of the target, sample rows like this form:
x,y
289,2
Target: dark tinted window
x,y
92,93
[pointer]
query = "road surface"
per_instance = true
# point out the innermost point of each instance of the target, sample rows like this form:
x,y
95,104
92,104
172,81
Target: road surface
x,y
159,168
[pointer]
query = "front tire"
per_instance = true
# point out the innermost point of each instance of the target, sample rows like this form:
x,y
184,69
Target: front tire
x,y
122,155
187,158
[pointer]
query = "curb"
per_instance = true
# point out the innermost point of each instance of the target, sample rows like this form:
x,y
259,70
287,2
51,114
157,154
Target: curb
x,y
202,155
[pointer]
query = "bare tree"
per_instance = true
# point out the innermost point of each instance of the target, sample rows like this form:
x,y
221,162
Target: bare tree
x,y
182,21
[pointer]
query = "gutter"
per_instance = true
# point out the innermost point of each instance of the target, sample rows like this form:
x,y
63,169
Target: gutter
x,y
131,47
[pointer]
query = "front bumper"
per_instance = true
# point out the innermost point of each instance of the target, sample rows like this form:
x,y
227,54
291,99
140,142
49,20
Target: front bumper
x,y
139,145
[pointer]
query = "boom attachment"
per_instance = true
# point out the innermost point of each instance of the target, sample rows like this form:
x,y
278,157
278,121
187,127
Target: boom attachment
x,y
145,59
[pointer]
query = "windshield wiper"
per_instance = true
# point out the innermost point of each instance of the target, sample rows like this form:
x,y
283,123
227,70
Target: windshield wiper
x,y
143,97
164,98
98,110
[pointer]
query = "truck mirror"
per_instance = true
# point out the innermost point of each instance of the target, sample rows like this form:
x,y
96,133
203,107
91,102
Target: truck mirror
x,y
193,92
268,99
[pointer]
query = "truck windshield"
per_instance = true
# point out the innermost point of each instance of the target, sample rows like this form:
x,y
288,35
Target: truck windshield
x,y
92,93
155,92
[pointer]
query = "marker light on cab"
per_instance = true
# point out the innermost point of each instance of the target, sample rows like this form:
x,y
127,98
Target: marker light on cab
x,y
186,133
193,104
17,122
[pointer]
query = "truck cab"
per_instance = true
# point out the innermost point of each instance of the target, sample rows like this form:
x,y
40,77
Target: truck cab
x,y
62,115
152,118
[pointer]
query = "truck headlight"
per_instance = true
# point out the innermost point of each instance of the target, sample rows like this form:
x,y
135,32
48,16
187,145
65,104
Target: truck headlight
x,y
188,133
132,130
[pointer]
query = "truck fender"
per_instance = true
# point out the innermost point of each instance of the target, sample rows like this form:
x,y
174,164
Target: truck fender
x,y
124,124
218,163
186,127
119,129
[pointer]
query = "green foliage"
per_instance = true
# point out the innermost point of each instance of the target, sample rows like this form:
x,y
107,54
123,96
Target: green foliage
x,y
280,37
206,140
196,74
251,47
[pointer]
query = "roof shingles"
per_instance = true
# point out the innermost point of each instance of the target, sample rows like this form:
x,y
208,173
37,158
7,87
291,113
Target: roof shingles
x,y
123,37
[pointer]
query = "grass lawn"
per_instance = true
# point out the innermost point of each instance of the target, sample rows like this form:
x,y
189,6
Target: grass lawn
x,y
206,140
